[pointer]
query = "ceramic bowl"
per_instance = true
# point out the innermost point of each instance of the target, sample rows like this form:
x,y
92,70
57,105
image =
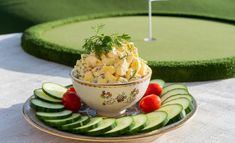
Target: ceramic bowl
x,y
111,100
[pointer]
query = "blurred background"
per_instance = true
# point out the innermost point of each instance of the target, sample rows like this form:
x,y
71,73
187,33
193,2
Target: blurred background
x,y
17,15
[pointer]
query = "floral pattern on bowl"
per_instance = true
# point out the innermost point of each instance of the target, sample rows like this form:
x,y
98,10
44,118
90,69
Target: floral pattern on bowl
x,y
122,97
111,100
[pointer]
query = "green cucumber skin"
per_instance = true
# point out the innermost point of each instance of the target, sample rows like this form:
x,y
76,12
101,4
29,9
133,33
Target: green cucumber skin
x,y
120,132
176,84
100,132
84,130
177,118
172,90
189,107
68,86
59,124
48,118
168,99
156,127
70,127
47,100
43,109
58,101
136,130
171,93
53,96
183,87
53,118
162,124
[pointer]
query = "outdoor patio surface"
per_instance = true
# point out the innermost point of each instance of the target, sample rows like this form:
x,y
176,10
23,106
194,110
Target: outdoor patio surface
x,y
21,73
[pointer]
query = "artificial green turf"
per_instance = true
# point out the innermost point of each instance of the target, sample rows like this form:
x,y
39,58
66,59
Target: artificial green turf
x,y
16,15
196,39
186,49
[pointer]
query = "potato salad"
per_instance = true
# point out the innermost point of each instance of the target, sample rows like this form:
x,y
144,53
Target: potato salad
x,y
110,59
120,65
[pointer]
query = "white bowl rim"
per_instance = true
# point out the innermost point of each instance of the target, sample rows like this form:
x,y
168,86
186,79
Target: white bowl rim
x,y
112,84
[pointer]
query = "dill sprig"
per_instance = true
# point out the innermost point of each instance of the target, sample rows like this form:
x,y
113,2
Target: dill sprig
x,y
101,43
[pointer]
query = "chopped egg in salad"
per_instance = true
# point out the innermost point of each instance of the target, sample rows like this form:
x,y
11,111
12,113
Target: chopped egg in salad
x,y
110,59
120,65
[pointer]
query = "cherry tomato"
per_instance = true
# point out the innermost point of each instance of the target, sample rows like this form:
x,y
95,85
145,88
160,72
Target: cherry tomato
x,y
153,88
71,89
71,101
150,103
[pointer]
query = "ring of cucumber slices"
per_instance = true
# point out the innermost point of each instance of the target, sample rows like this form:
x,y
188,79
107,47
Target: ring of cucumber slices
x,y
176,104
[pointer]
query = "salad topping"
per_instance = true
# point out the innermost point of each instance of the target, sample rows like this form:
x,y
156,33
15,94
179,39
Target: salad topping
x,y
110,59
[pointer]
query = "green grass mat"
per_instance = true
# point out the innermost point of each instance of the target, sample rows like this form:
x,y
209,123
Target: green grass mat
x,y
16,15
186,49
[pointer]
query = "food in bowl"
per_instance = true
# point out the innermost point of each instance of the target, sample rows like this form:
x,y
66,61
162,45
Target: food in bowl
x,y
111,76
117,62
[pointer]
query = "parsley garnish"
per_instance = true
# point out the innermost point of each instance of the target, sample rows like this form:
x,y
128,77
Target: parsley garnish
x,y
102,44
134,73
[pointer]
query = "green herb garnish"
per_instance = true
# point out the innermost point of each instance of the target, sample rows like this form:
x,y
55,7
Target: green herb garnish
x,y
134,73
102,44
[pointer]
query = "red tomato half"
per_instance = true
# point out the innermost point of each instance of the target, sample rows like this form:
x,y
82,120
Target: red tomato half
x,y
150,103
71,89
153,88
71,101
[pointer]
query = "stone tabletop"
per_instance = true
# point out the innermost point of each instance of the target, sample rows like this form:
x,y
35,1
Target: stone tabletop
x,y
20,73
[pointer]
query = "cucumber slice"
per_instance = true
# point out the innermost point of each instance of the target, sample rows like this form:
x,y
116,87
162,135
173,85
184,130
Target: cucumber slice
x,y
104,126
68,86
173,86
155,121
189,97
81,122
42,106
56,115
158,81
54,90
60,122
175,112
139,123
94,122
43,96
124,124
187,104
173,92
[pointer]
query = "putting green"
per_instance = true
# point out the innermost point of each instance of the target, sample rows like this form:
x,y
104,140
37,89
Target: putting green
x,y
186,49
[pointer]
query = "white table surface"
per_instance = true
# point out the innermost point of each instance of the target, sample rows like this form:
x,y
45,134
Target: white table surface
x,y
20,73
